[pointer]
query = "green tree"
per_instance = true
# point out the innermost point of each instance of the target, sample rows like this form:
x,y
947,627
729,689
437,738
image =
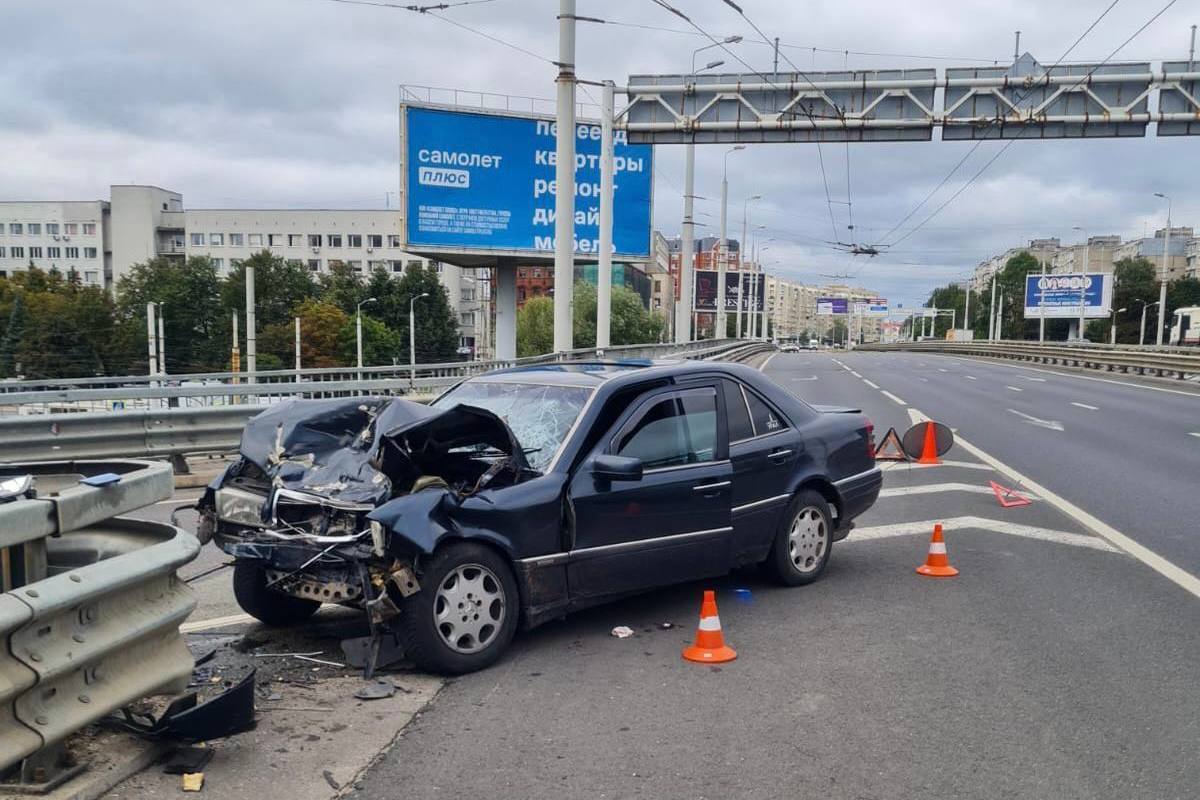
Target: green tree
x,y
342,286
535,327
189,298
10,342
279,286
381,344
437,322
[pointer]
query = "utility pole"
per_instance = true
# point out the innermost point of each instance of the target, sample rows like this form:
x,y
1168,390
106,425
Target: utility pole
x,y
1162,284
683,313
723,252
1083,273
564,180
1042,306
1000,318
776,70
604,267
235,357
151,340
162,344
992,311
251,344
967,312
297,349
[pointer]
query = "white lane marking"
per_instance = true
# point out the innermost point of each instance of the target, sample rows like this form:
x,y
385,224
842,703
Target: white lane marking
x,y
980,523
872,384
998,363
763,368
970,377
1197,435
936,488
942,370
855,374
1085,405
215,622
1014,388
1031,378
921,364
893,398
1052,424
800,380
1151,559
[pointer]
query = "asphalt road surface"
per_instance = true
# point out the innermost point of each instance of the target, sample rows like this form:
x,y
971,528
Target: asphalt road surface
x,y
1056,664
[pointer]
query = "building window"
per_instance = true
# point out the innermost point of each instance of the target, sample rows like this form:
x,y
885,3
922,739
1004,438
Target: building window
x,y
216,239
89,252
354,240
70,228
35,252
35,229
197,239
89,229
314,240
52,228
397,266
275,239
467,319
218,263
295,240
468,295
16,229
537,273
393,240
53,252
237,240
314,264
72,252
374,265
374,240
256,240
355,265
333,240
18,252
1,252
91,277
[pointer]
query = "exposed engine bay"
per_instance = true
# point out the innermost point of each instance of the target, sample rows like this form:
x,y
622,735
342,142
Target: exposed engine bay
x,y
297,501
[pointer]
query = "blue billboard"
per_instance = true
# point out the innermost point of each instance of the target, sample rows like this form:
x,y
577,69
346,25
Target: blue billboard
x,y
832,305
485,182
1058,296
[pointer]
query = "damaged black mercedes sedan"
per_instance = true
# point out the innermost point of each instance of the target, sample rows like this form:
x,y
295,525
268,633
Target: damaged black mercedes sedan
x,y
524,494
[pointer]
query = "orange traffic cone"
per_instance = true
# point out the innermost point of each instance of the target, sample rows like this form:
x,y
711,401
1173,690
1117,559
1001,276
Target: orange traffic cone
x,y
929,451
937,565
710,645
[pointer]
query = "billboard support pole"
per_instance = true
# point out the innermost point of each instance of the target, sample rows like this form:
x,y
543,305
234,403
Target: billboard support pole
x,y
1083,276
1162,279
506,312
604,268
564,175
683,315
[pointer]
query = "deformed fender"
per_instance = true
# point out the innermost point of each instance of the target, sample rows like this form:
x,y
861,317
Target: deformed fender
x,y
423,520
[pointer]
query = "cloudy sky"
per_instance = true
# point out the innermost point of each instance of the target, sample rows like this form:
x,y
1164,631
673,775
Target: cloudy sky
x,y
292,103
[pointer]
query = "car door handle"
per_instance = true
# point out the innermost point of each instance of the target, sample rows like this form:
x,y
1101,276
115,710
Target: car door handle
x,y
779,456
711,488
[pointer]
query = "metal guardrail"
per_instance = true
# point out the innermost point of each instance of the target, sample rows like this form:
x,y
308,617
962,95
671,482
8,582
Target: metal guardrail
x,y
164,432
1172,362
92,622
142,392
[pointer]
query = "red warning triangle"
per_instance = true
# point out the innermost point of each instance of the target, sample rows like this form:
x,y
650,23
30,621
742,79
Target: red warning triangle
x,y
889,448
1009,498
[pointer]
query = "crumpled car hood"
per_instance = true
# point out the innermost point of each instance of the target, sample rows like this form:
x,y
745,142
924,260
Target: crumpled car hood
x,y
332,447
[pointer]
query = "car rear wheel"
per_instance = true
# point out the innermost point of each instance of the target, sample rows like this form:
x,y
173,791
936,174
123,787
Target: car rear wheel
x,y
267,605
465,615
803,542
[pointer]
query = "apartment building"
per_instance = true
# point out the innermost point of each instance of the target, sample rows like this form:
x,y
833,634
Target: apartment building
x,y
1044,250
791,307
1152,248
1098,253
68,236
860,328
662,280
103,239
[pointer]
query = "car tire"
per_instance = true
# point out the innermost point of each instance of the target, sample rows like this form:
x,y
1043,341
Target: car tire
x,y
465,614
803,542
267,605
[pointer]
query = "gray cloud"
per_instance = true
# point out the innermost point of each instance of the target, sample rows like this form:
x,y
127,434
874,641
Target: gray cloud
x,y
293,102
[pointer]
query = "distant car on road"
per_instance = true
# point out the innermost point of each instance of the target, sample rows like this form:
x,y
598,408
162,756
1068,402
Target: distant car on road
x,y
525,494
814,344
789,347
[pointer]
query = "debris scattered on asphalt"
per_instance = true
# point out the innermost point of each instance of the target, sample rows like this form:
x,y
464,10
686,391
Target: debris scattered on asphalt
x,y
375,690
358,651
666,626
188,760
189,720
289,655
248,643
743,595
193,781
622,632
320,661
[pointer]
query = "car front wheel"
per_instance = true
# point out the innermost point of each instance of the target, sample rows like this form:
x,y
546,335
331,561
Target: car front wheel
x,y
803,542
465,615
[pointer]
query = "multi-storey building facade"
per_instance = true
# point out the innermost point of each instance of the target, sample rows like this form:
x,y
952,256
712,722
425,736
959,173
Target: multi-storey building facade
x,y
68,236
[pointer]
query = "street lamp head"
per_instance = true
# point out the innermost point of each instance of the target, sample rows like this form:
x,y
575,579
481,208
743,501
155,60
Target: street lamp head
x,y
712,64
423,294
1160,194
1122,310
732,39
737,147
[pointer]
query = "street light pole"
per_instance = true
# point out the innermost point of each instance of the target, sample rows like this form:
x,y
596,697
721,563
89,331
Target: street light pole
x,y
723,252
1087,253
1113,324
741,295
412,336
1142,333
1162,282
358,334
564,179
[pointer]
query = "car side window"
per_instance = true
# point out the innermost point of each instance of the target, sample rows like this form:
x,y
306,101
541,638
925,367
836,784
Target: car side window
x,y
675,431
740,427
766,420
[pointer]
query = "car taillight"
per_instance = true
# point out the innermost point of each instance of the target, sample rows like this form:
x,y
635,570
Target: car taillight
x,y
870,440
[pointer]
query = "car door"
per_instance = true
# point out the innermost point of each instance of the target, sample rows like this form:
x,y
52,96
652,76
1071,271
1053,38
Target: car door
x,y
672,524
764,450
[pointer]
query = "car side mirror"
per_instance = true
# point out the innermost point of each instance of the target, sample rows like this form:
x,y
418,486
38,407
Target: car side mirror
x,y
617,468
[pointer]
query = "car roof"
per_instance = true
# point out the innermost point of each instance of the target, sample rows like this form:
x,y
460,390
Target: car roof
x,y
592,373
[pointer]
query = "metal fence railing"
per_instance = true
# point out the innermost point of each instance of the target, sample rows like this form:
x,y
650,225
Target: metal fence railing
x,y
1168,362
91,604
